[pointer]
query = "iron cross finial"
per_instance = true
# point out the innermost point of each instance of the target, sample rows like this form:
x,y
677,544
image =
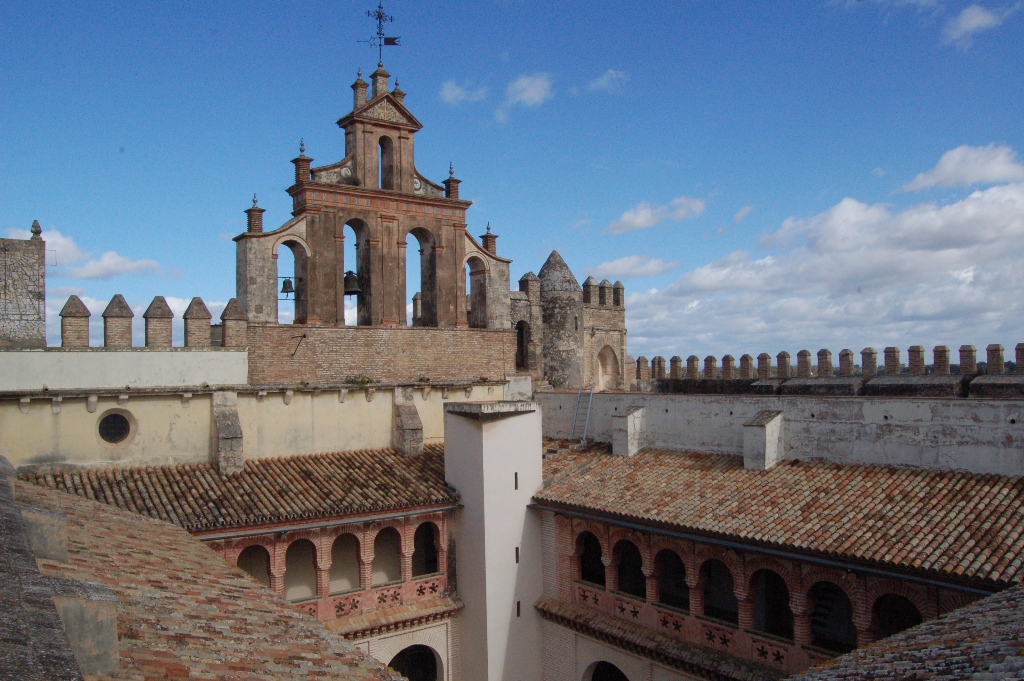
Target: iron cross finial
x,y
380,41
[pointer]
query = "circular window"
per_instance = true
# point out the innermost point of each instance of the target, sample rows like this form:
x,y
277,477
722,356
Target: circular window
x,y
114,428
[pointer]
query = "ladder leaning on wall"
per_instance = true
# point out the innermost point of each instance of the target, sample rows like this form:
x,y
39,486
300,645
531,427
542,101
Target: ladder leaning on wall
x,y
576,415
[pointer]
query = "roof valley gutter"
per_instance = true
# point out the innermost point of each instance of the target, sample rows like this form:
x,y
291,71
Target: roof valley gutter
x,y
212,536
850,567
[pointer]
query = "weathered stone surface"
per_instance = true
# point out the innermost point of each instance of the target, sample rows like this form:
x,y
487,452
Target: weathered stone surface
x,y
22,293
929,385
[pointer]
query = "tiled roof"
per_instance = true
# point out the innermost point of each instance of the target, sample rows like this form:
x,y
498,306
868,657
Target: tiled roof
x,y
946,523
197,497
697,660
183,612
984,640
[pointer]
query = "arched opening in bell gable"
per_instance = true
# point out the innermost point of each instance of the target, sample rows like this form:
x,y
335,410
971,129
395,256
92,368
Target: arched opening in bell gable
x,y
255,560
300,571
892,614
588,548
629,569
344,564
719,596
418,663
291,286
386,163
424,555
772,613
420,278
356,259
672,588
831,616
607,369
476,292
387,557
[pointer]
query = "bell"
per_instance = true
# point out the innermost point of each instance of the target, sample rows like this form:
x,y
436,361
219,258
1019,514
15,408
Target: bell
x,y
286,286
352,284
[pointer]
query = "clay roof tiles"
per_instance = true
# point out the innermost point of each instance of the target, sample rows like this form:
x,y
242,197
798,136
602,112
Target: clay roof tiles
x,y
947,523
198,498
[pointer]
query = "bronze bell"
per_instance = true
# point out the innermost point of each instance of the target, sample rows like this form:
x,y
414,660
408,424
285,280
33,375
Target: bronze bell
x,y
286,286
352,284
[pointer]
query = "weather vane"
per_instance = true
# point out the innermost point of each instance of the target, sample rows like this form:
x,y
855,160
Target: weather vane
x,y
380,41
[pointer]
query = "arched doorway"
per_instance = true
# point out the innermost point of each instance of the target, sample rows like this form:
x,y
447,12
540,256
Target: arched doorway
x,y
476,292
604,671
607,377
417,663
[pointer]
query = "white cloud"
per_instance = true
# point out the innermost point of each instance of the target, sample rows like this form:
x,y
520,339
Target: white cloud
x,y
609,81
453,93
967,165
961,29
645,215
112,264
633,266
856,275
61,251
527,91
878,172
742,213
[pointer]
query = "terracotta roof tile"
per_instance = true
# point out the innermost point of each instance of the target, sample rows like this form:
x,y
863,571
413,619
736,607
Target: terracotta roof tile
x,y
943,522
197,497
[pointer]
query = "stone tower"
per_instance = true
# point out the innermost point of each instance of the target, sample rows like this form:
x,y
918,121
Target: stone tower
x,y
561,300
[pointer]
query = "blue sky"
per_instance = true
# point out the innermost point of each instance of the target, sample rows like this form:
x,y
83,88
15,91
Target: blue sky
x,y
762,176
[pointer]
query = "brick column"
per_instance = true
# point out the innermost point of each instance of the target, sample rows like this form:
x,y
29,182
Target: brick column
x,y
846,362
824,363
696,594
197,324
803,364
643,369
915,357
74,324
869,363
652,586
611,575
995,359
235,325
782,365
117,323
693,367
940,361
746,366
764,366
746,613
710,367
968,360
801,616
675,367
158,318
892,361
658,367
728,367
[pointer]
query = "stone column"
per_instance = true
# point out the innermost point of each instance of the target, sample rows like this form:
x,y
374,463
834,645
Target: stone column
x,y
846,362
803,364
940,362
824,363
782,365
728,368
915,357
892,361
869,363
995,359
968,360
693,367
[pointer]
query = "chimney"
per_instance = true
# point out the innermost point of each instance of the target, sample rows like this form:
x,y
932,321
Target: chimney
x,y
358,91
451,185
380,81
489,240
302,164
254,218
397,93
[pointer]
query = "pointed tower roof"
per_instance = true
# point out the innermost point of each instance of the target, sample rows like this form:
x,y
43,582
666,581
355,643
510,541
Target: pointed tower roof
x,y
590,281
555,275
233,311
197,310
118,307
158,309
75,308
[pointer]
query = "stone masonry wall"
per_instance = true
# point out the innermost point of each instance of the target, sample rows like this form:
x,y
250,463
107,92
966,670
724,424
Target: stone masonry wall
x,y
290,354
22,294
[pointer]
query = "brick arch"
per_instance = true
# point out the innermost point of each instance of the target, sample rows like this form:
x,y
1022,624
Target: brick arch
x,y
285,238
754,563
330,534
401,526
599,531
847,581
231,553
884,587
732,560
637,539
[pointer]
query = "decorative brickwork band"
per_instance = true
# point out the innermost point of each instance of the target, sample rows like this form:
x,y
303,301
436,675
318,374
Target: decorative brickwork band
x,y
968,360
803,364
868,363
940,359
764,366
915,358
158,318
846,362
824,362
995,359
675,367
728,368
693,367
117,323
710,367
74,324
197,324
782,362
746,366
892,361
